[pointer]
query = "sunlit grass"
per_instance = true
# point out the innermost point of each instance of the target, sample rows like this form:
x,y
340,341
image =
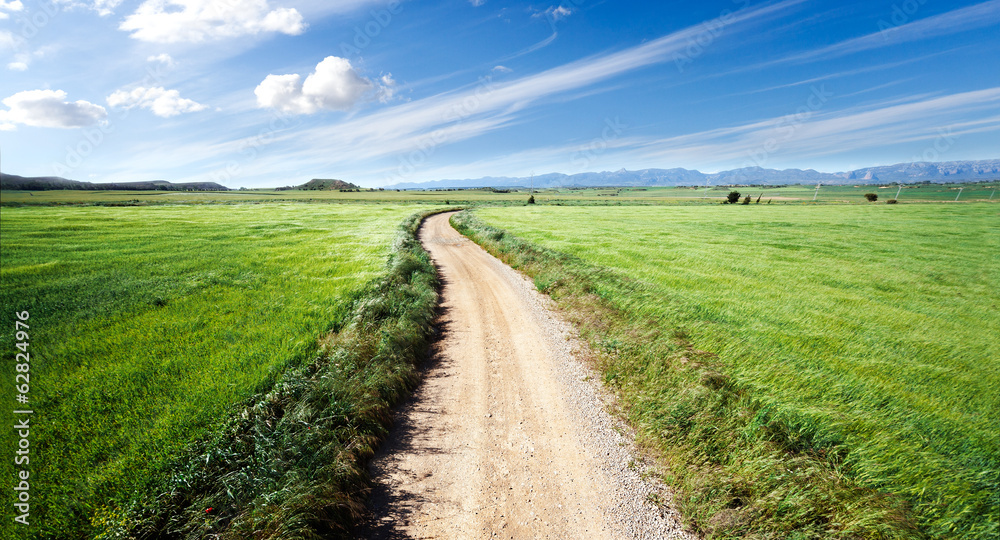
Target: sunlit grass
x,y
148,325
870,329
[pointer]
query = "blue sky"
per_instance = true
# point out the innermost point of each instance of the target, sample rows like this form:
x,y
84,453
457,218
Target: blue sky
x,y
265,93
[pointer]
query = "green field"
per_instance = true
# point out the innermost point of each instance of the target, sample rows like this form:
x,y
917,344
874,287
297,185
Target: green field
x,y
654,195
148,325
865,334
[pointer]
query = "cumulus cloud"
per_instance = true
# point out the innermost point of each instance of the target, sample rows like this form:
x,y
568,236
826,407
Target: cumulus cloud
x,y
195,21
16,5
17,66
162,102
49,108
335,85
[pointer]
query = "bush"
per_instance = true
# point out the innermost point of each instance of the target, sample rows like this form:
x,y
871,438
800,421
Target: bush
x,y
872,197
746,200
531,199
891,201
733,197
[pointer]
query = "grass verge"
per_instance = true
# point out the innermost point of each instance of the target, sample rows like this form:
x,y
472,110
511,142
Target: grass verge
x,y
290,464
742,468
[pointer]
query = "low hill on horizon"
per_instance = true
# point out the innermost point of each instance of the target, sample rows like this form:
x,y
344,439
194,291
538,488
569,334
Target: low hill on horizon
x,y
323,184
46,183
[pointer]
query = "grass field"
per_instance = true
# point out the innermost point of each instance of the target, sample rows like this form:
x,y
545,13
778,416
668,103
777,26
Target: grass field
x,y
148,325
865,335
604,196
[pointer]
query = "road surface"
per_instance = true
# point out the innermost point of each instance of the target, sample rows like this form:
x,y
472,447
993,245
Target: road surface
x,y
508,435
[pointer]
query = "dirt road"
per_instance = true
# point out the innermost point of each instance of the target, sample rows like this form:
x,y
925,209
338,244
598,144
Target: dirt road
x,y
507,437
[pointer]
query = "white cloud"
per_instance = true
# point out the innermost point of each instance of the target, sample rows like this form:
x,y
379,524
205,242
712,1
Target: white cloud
x,y
16,5
195,21
105,7
386,88
335,85
163,103
102,7
164,59
558,12
477,3
9,41
501,69
49,108
17,66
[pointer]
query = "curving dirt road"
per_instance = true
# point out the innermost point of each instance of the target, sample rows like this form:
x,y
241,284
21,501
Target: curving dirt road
x,y
507,437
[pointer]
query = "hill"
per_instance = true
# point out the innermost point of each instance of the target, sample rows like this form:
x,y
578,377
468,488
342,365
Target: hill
x,y
320,184
45,183
906,173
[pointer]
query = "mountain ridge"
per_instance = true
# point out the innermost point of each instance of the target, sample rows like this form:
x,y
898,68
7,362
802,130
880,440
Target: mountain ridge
x,y
906,173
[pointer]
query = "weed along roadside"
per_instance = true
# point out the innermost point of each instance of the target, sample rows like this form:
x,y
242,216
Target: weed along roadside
x,y
744,465
291,462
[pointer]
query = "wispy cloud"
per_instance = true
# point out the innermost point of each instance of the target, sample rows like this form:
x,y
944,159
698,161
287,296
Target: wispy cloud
x,y
917,119
487,106
959,20
827,133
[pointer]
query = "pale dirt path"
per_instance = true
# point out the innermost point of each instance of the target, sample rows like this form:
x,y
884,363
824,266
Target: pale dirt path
x,y
499,440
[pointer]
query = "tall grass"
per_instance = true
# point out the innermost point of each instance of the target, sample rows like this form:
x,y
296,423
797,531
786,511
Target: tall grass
x,y
290,465
148,325
807,372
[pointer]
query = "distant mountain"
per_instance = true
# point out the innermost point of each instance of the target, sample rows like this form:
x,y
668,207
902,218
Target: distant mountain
x,y
319,184
952,171
46,183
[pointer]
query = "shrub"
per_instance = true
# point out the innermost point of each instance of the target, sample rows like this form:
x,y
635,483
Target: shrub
x,y
746,200
733,197
872,197
531,199
891,201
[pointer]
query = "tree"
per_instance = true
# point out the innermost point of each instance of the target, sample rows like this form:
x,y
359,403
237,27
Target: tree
x,y
531,199
747,200
733,197
872,197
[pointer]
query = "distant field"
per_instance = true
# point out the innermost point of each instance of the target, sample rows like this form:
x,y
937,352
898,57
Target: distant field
x,y
656,195
870,327
147,326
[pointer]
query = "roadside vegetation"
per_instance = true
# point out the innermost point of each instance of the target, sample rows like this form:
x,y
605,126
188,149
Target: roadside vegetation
x,y
802,372
210,371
